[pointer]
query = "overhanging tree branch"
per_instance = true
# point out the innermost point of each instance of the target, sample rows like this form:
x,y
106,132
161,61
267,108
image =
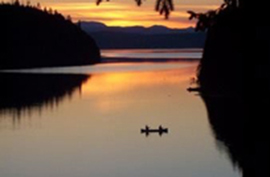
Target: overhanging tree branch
x,y
205,20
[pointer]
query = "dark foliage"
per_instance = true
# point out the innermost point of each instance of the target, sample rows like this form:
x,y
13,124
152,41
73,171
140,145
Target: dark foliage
x,y
205,20
220,70
234,82
164,7
208,19
31,37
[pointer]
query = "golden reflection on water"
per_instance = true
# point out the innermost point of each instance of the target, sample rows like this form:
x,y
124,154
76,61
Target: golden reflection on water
x,y
118,82
97,132
119,90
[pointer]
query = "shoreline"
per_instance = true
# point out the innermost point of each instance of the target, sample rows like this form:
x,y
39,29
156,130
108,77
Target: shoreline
x,y
114,60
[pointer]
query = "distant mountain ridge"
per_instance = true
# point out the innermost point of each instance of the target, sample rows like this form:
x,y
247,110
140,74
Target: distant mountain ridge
x,y
155,29
139,37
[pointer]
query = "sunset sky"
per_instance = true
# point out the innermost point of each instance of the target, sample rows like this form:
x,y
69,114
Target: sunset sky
x,y
127,13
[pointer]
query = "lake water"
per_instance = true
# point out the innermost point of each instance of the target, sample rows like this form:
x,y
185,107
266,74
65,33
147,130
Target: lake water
x,y
154,53
86,121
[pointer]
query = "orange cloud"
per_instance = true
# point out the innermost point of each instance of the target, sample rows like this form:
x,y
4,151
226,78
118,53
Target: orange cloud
x,y
124,14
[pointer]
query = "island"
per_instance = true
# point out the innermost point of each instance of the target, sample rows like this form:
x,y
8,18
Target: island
x,y
32,37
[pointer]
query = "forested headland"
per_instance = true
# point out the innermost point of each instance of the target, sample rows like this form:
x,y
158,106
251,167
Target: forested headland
x,y
35,37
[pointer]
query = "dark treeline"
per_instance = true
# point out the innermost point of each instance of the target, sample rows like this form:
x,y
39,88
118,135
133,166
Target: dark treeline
x,y
31,37
23,92
233,78
221,67
236,52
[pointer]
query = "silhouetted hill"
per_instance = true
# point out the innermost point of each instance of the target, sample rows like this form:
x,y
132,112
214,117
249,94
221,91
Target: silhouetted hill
x,y
222,64
141,37
234,83
156,29
31,37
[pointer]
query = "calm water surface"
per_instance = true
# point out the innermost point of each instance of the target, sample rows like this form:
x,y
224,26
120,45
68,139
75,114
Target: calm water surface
x,y
154,53
81,126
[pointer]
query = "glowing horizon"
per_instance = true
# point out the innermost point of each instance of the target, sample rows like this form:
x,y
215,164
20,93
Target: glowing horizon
x,y
123,14
127,13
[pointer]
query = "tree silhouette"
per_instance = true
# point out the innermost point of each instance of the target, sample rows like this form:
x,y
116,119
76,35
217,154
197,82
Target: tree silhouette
x,y
17,3
69,18
54,40
38,6
205,20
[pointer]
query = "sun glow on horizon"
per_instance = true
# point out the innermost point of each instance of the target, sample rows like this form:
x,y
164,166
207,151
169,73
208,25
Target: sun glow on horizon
x,y
124,14
127,13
